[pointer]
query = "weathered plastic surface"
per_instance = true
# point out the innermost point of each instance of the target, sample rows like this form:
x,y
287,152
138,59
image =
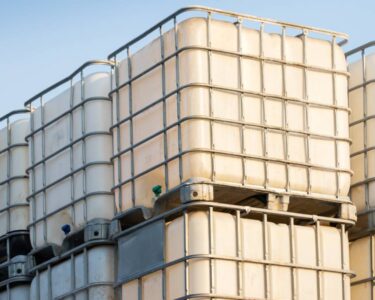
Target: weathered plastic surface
x,y
88,275
88,159
239,250
276,136
18,292
362,263
362,128
15,188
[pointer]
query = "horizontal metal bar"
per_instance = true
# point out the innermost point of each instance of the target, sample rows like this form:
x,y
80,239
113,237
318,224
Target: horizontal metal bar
x,y
230,122
370,279
14,233
233,154
67,176
66,255
13,206
230,14
232,90
364,84
67,146
77,71
51,122
364,119
264,262
367,180
217,296
245,210
83,288
232,53
71,203
360,48
14,112
367,149
8,180
14,280
10,147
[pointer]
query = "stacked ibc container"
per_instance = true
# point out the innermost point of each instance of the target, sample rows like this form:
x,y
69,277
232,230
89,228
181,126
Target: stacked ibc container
x,y
71,178
14,211
231,160
362,104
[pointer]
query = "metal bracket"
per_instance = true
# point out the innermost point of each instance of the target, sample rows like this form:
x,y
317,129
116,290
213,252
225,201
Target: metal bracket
x,y
97,229
197,192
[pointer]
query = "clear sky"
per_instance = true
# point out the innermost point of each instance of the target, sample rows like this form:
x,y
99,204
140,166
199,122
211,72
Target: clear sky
x,y
43,41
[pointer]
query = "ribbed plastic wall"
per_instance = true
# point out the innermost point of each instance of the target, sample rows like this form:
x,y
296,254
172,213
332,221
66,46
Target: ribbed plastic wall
x,y
14,189
237,107
362,128
223,256
19,292
71,173
85,275
362,263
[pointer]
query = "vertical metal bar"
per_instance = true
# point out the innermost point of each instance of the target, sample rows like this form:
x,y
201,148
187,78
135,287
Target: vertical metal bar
x,y
284,108
306,111
372,260
32,175
83,143
211,250
178,99
266,255
118,134
37,278
71,150
140,288
241,116
72,274
50,287
211,113
165,135
343,262
335,119
9,163
86,275
318,260
292,239
44,171
239,254
186,251
131,125
365,139
263,108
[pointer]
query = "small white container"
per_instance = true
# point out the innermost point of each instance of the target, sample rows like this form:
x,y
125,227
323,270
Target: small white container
x,y
14,189
71,174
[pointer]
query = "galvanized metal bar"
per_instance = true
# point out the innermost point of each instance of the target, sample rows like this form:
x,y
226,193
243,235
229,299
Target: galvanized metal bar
x,y
318,260
186,252
239,254
163,88
8,173
266,254
71,151
263,106
83,144
292,239
229,14
306,111
211,249
210,106
44,171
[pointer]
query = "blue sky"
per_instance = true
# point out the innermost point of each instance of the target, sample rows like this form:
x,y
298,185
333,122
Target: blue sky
x,y
43,41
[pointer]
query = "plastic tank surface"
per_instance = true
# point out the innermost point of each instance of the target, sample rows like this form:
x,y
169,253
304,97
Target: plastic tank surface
x,y
18,292
362,127
85,275
14,210
362,262
71,173
220,255
220,102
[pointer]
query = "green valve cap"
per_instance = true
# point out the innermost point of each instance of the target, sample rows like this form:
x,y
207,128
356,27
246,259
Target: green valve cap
x,y
156,190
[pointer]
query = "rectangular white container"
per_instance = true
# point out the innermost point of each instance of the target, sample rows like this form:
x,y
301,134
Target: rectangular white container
x,y
18,292
87,274
221,102
362,263
362,128
14,184
219,255
70,148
